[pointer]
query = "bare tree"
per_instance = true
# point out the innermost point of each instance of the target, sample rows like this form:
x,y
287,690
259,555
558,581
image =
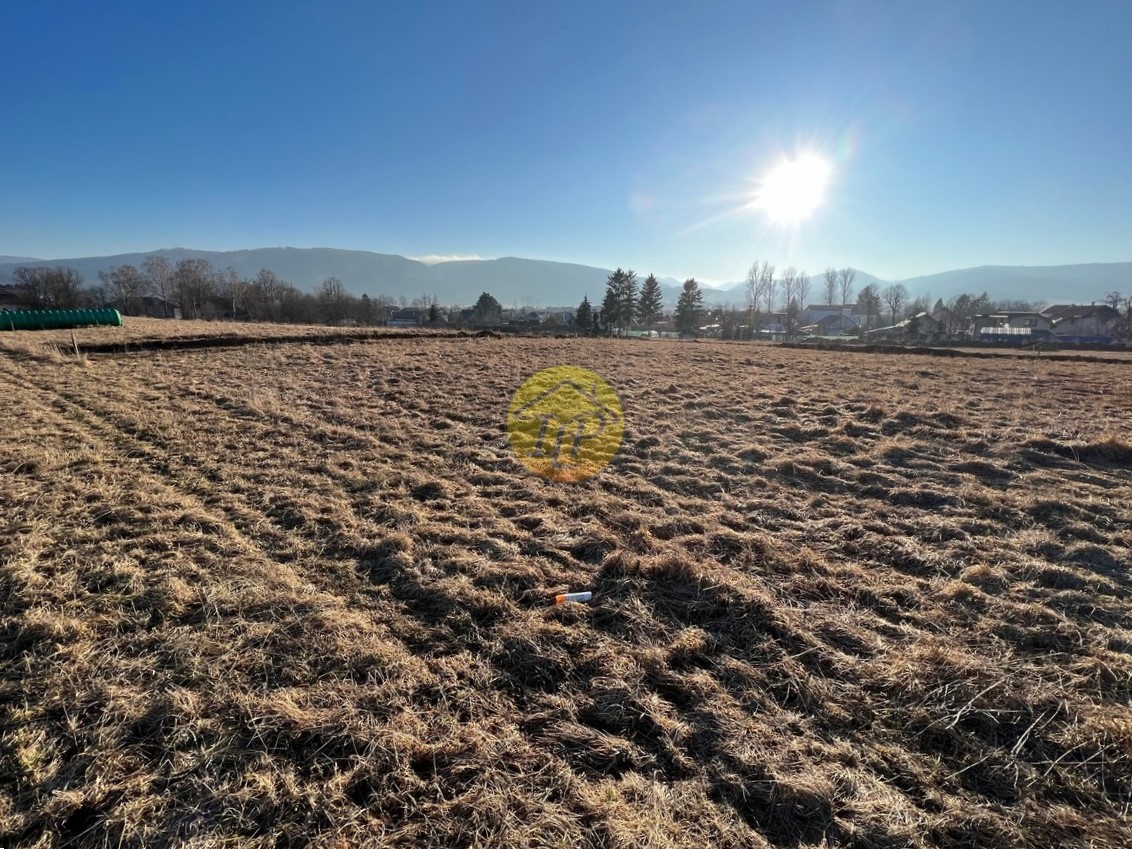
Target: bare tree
x,y
64,287
383,304
298,307
127,286
159,274
760,286
845,279
894,296
234,290
55,288
757,282
768,283
32,285
97,295
1113,299
830,277
272,293
791,316
802,284
1122,328
194,282
754,290
870,300
789,281
333,300
958,314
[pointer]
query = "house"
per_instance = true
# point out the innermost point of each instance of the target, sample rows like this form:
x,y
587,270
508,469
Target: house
x,y
815,312
773,326
831,319
1012,326
920,327
1079,323
12,297
555,316
406,318
834,324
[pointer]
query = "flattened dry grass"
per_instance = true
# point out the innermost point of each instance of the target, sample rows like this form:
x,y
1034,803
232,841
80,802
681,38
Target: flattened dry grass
x,y
141,334
297,595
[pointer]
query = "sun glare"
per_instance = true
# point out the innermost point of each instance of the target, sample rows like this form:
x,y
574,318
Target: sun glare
x,y
794,188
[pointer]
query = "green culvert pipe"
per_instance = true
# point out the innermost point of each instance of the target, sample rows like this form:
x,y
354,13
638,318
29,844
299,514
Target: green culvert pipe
x,y
55,319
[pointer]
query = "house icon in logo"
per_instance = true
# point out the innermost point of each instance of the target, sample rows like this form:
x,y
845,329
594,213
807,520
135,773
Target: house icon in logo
x,y
565,423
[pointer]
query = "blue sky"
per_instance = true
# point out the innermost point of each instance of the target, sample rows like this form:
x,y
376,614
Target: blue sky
x,y
606,133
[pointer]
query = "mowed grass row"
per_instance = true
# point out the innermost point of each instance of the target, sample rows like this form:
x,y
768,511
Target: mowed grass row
x,y
299,595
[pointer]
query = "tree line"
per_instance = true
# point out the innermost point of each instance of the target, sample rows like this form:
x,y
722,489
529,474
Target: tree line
x,y
782,298
627,303
193,288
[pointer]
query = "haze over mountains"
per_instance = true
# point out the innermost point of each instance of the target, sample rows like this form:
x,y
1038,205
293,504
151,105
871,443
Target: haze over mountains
x,y
516,281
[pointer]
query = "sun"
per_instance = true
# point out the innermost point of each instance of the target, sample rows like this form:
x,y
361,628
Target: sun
x,y
794,188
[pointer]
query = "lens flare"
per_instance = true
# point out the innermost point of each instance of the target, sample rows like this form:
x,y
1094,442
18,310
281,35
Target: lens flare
x,y
794,188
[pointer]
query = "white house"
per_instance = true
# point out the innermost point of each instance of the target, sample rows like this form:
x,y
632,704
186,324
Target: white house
x,y
1075,320
1036,323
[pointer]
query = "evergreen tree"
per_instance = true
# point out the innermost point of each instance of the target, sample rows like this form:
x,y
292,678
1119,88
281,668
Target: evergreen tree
x,y
689,306
630,296
620,303
650,305
583,317
487,310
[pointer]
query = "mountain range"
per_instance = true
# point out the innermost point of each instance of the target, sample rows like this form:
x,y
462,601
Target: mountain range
x,y
520,282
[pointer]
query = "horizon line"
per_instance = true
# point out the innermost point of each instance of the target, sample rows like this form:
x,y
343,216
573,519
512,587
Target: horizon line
x,y
442,259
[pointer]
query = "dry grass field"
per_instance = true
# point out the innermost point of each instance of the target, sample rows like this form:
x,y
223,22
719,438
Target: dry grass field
x,y
140,334
292,594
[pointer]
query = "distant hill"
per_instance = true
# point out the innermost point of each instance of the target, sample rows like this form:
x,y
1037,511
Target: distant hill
x,y
22,259
361,271
517,282
1053,283
509,279
512,280
736,293
521,282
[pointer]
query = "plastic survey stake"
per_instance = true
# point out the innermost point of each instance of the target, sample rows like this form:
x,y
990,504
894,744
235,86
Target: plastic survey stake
x,y
562,598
